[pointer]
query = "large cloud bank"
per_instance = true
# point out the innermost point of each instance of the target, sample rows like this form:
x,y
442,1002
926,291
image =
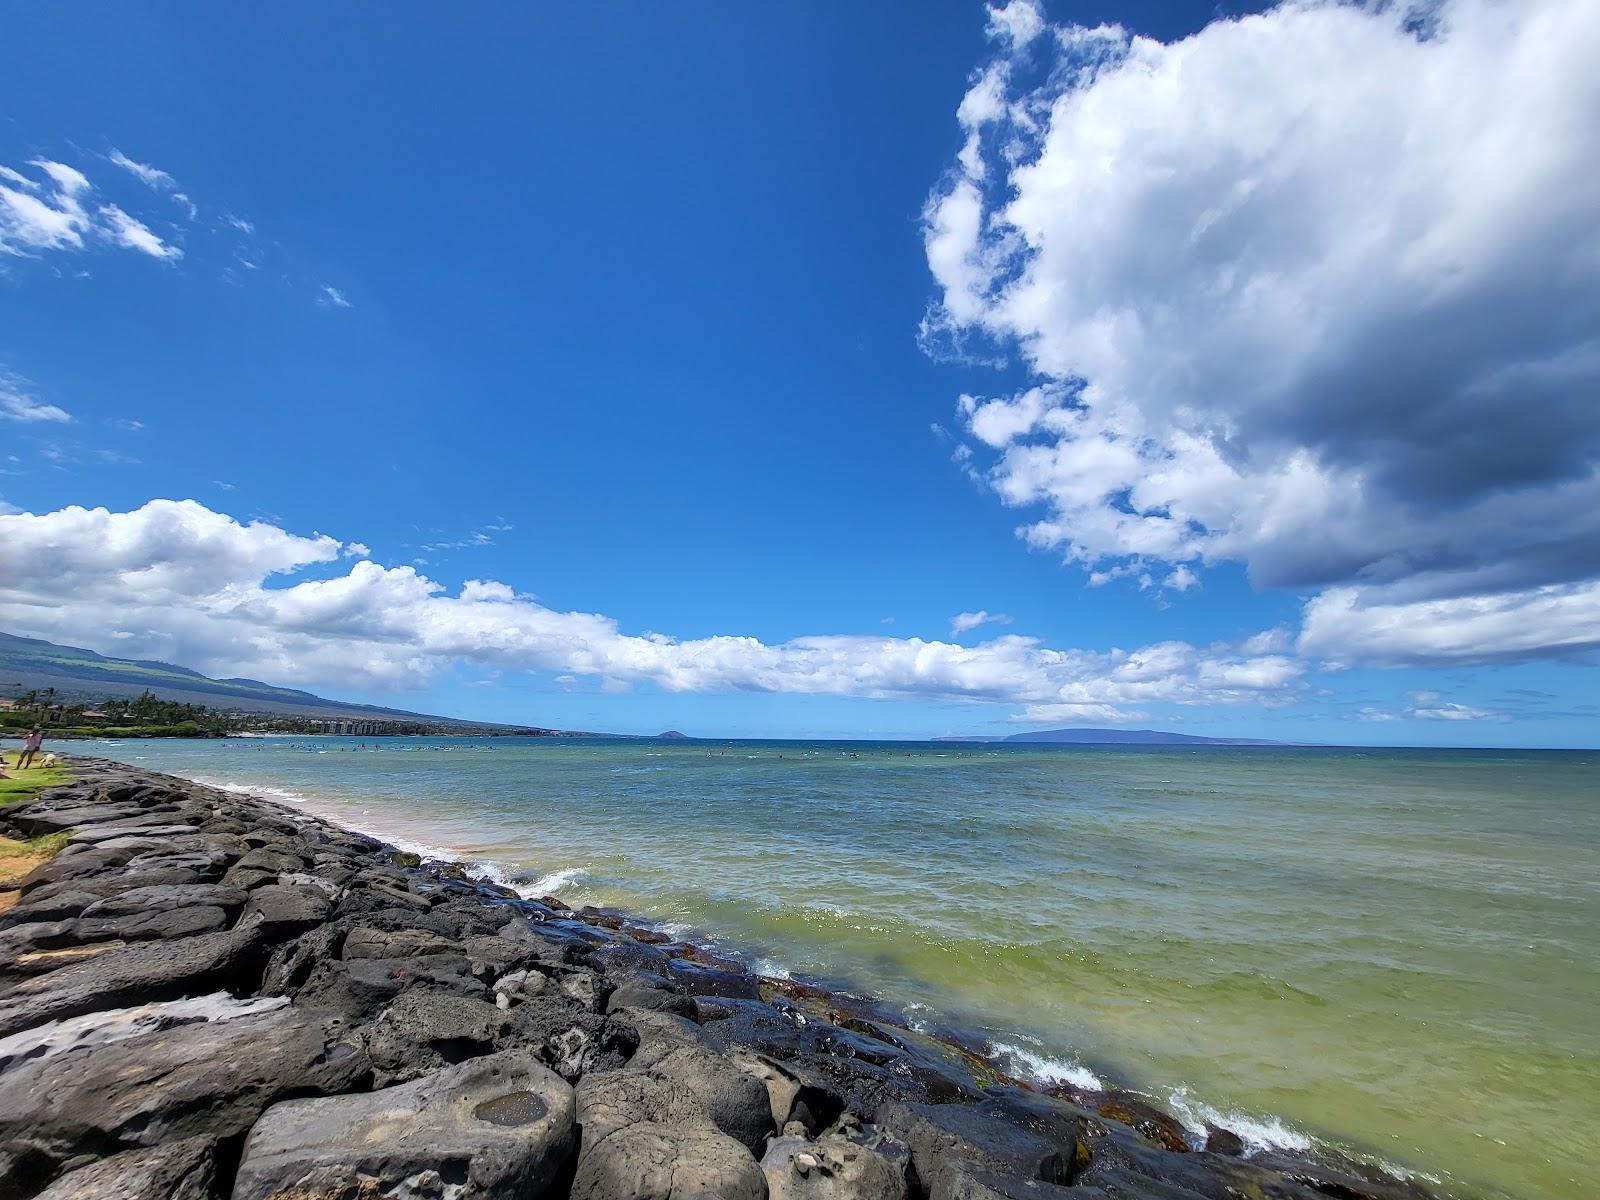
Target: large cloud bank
x,y
1316,291
175,580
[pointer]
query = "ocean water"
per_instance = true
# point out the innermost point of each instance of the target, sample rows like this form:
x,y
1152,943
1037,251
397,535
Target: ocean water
x,y
1393,952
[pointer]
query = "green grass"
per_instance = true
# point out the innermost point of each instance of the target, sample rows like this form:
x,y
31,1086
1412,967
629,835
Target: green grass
x,y
23,785
42,846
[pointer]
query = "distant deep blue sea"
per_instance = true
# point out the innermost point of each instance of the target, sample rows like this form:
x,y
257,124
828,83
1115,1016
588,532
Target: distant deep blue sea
x,y
1393,951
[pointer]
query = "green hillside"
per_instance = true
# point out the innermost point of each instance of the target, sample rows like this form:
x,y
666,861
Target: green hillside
x,y
78,675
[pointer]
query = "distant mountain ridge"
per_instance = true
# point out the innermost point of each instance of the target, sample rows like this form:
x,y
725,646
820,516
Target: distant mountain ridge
x,y
1113,737
77,674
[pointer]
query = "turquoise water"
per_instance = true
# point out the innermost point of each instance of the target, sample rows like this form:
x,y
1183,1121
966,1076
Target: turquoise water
x,y
1395,952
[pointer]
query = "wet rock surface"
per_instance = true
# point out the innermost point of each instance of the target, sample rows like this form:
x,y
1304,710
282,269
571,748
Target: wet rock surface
x,y
207,995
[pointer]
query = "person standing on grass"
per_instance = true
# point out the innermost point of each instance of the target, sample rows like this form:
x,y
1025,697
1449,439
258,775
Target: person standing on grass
x,y
30,747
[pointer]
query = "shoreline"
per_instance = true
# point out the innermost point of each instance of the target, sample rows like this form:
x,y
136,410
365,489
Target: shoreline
x,y
1041,1071
859,1067
1005,1051
1032,1067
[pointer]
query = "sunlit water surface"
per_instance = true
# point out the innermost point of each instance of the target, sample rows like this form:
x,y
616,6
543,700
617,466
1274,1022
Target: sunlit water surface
x,y
1397,952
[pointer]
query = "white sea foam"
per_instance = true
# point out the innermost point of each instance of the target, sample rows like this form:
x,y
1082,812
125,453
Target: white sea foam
x,y
916,1017
321,808
284,795
549,885
1256,1132
1048,1070
489,871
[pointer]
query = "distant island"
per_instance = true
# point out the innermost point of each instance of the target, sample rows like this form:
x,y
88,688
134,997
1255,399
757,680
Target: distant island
x,y
1113,737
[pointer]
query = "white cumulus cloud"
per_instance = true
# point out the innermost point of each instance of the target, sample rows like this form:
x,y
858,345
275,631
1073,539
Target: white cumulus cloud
x,y
181,582
1346,626
1315,290
1018,21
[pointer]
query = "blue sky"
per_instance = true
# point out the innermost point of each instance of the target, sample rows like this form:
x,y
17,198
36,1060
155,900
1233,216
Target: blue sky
x,y
666,317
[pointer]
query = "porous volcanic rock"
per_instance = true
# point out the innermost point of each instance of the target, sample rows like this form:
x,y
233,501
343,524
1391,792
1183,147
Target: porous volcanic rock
x,y
496,1126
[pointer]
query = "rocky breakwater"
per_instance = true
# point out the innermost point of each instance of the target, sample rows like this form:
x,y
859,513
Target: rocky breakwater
x,y
207,995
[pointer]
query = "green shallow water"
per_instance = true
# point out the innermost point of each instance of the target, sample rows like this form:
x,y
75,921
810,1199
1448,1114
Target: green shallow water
x,y
1396,952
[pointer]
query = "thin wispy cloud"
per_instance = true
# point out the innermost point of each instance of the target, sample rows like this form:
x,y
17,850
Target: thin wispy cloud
x,y
17,407
152,177
1430,706
965,621
53,213
17,403
47,206
477,539
69,180
135,235
37,216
